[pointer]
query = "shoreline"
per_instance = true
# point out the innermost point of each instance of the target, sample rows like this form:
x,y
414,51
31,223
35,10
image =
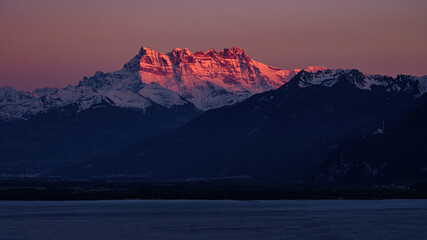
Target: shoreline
x,y
64,190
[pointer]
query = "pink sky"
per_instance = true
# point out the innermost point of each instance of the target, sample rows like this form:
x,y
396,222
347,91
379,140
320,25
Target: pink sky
x,y
55,43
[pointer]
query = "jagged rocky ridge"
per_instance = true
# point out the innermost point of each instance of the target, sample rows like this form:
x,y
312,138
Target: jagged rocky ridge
x,y
206,79
212,79
122,88
402,83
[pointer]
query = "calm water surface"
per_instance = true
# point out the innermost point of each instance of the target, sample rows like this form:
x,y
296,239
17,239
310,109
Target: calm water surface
x,y
145,219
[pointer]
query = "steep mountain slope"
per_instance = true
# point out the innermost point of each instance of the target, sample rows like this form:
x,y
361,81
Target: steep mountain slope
x,y
396,156
283,133
63,136
207,80
211,79
122,88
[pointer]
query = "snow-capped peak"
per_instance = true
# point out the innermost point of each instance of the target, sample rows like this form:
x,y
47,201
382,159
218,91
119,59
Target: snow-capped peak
x,y
208,80
10,95
314,68
329,77
211,79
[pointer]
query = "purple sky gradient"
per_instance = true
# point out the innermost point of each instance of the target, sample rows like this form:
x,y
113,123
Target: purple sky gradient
x,y
56,43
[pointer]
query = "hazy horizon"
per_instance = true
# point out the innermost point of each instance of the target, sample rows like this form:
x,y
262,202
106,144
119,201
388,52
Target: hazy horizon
x,y
50,43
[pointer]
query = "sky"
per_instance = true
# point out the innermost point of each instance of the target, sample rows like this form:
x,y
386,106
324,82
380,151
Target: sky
x,y
57,42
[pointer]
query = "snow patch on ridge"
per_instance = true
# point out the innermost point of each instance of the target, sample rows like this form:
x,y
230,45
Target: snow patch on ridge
x,y
206,79
211,79
329,77
161,95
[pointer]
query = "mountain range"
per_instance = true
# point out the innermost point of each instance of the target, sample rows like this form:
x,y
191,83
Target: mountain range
x,y
153,93
179,78
211,114
281,134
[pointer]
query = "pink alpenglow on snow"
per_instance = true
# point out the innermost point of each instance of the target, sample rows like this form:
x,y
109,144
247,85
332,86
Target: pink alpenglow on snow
x,y
206,80
229,70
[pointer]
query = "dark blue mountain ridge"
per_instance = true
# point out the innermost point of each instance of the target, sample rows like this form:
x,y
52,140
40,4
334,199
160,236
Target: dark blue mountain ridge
x,y
279,134
396,155
67,135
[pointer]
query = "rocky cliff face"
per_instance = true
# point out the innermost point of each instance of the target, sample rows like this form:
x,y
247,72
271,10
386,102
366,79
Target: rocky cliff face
x,y
210,79
206,79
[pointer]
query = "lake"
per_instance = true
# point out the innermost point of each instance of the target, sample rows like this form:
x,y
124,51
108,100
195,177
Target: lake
x,y
200,219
